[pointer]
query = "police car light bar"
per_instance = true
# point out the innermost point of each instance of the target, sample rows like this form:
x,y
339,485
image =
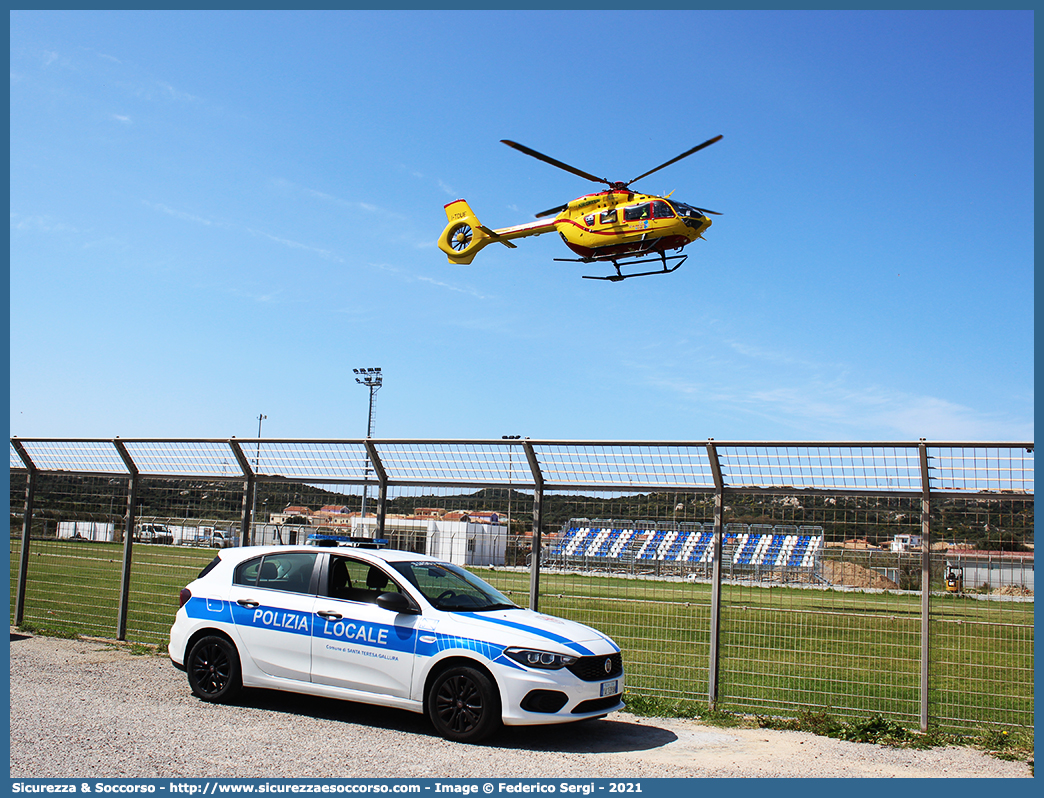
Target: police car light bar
x,y
317,539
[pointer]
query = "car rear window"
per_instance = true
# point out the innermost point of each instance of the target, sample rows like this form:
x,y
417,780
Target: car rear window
x,y
291,571
210,567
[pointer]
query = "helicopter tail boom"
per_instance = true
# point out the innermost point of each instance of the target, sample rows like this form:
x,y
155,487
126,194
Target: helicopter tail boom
x,y
465,235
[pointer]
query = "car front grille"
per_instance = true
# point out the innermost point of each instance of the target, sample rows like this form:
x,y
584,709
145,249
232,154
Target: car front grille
x,y
594,669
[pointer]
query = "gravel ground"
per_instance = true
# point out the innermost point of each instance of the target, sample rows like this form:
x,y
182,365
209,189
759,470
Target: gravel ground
x,y
86,709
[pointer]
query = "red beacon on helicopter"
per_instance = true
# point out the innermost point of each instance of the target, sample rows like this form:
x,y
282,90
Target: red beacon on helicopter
x,y
616,225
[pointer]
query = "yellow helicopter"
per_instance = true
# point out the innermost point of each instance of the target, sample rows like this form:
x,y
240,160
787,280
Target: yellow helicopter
x,y
613,225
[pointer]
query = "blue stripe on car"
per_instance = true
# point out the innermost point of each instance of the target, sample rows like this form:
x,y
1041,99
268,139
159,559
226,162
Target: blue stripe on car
x,y
211,609
432,643
375,635
383,636
276,619
533,630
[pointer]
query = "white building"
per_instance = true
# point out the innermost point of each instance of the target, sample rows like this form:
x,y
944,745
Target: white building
x,y
906,542
87,530
461,542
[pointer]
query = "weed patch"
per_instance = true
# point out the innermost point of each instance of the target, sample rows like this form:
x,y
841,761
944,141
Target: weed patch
x,y
658,707
1015,746
50,630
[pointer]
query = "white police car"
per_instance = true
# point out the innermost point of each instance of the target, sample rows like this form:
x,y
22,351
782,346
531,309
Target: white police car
x,y
392,628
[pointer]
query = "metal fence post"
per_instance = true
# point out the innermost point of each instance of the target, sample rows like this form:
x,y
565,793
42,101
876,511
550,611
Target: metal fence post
x,y
382,486
538,520
248,493
715,611
27,525
926,564
128,541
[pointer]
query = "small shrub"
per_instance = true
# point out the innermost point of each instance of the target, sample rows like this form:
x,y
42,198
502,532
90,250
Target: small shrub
x,y
876,729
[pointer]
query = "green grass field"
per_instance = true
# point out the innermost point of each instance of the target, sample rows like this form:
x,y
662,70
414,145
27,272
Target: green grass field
x,y
783,650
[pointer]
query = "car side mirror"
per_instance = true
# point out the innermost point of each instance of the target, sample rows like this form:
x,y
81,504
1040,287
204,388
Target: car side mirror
x,y
395,602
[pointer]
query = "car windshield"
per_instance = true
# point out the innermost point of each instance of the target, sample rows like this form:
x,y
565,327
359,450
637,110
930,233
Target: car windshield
x,y
449,588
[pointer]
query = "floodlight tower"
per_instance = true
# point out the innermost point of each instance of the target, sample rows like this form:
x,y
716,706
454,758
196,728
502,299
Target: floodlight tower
x,y
257,465
372,379
257,460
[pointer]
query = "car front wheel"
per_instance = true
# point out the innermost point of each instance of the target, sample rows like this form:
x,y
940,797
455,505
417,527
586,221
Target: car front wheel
x,y
213,669
463,704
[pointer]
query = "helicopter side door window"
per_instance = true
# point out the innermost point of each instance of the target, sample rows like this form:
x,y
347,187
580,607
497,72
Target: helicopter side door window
x,y
636,213
608,217
661,210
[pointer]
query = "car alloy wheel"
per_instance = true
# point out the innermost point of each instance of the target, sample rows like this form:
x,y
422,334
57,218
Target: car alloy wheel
x,y
213,669
463,704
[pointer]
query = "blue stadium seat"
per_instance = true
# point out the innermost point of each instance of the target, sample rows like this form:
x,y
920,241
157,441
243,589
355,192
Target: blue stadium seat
x,y
749,545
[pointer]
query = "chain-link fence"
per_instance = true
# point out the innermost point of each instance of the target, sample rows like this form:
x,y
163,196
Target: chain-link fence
x,y
892,578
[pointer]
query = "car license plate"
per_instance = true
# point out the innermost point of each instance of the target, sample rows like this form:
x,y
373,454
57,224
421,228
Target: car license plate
x,y
610,688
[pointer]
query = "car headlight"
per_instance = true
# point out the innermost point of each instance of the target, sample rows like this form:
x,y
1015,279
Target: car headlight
x,y
540,659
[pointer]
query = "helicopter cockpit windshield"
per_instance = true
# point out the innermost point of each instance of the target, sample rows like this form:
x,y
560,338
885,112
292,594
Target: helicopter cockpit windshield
x,y
687,211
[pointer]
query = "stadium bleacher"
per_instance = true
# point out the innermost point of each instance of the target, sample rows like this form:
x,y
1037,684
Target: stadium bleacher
x,y
761,546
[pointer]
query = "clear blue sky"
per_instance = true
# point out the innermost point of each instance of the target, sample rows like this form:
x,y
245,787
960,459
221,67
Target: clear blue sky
x,y
217,215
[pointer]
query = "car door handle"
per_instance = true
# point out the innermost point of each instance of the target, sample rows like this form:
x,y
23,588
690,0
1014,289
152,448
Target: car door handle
x,y
329,616
248,603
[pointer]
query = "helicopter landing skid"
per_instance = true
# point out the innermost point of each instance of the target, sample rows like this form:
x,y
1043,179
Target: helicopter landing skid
x,y
615,278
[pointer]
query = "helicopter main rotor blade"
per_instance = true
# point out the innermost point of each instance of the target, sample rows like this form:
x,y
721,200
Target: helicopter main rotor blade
x,y
552,211
686,154
548,159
